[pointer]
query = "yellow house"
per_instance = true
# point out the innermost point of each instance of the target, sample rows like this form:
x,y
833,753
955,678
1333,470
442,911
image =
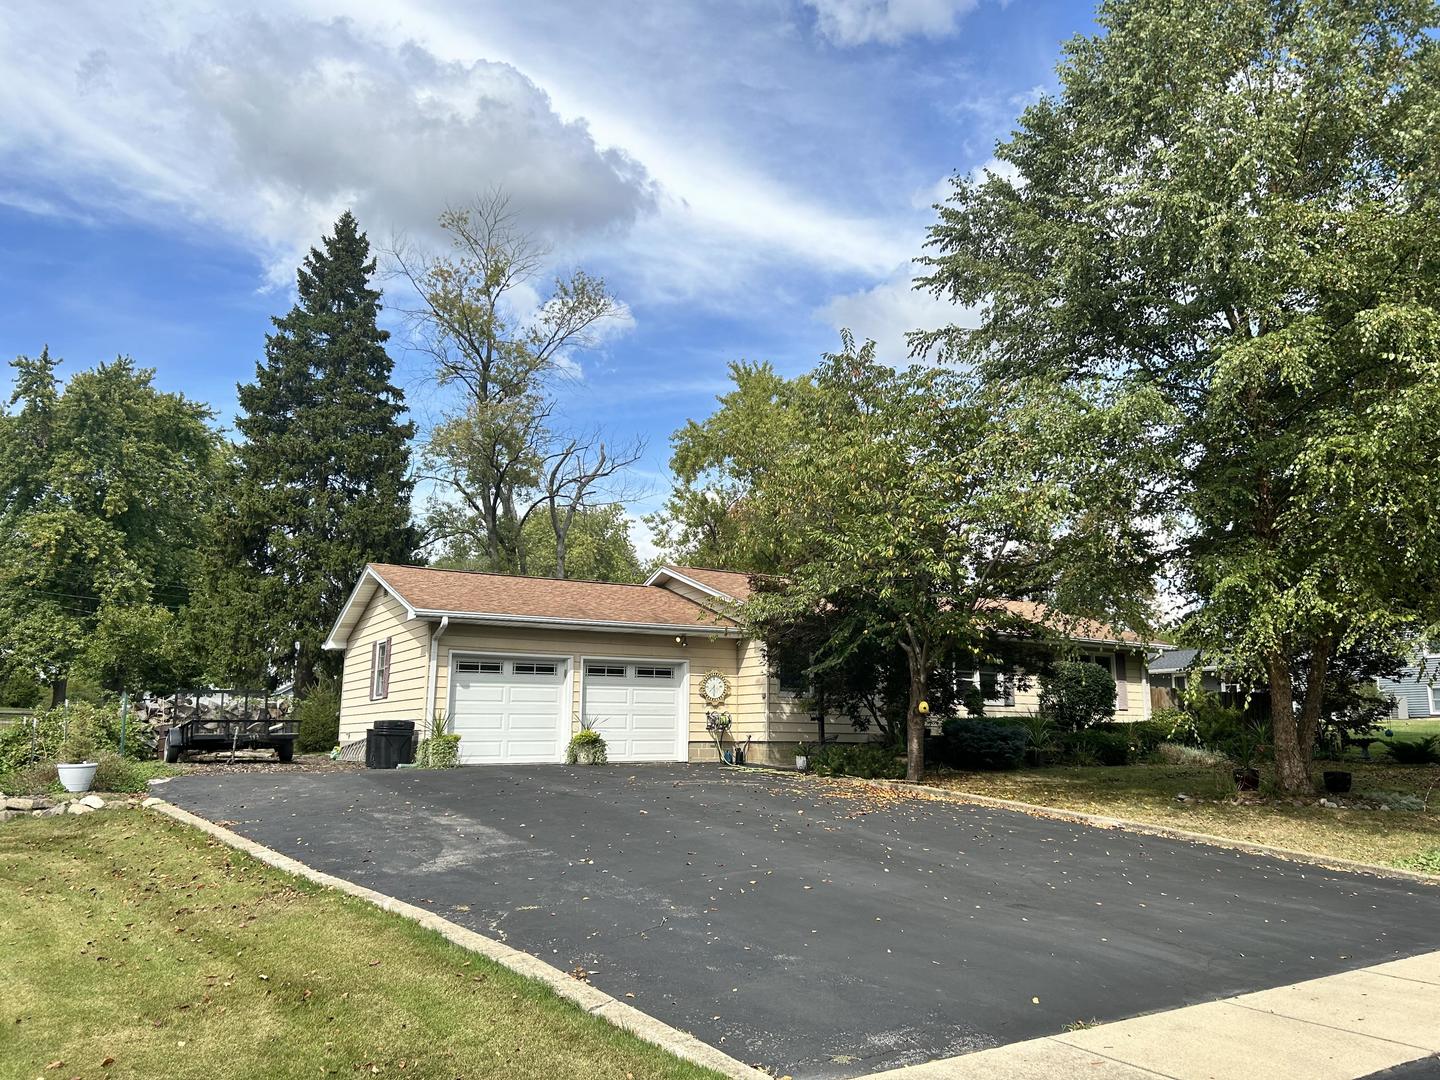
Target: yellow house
x,y
513,664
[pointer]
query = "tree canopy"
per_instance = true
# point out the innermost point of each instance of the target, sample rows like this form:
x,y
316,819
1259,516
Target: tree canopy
x,y
105,485
1229,208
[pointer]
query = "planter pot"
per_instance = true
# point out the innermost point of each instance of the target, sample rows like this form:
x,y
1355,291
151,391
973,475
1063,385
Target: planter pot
x,y
801,762
1337,782
1247,779
77,777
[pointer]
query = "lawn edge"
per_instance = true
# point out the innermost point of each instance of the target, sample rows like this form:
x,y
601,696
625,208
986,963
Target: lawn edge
x,y
594,1001
1102,821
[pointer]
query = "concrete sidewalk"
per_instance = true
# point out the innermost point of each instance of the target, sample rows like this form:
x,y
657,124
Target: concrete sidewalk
x,y
1339,1027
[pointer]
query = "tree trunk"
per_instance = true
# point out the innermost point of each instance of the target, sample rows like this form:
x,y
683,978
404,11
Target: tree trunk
x,y
57,692
919,659
1292,757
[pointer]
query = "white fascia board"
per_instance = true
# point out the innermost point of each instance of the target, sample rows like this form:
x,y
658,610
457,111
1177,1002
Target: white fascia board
x,y
558,623
355,605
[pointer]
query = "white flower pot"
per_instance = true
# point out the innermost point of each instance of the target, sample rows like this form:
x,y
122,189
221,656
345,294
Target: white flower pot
x,y
801,761
77,777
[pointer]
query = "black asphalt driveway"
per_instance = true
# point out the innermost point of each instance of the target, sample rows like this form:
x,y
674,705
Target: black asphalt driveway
x,y
818,929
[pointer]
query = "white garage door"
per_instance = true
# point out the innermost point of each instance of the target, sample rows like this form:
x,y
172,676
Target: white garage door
x,y
637,707
509,709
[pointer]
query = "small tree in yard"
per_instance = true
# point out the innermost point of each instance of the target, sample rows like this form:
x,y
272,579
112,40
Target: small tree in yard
x,y
912,501
1229,207
1076,694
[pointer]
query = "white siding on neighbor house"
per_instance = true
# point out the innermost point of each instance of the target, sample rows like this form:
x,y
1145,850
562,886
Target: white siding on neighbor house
x,y
1417,688
701,653
384,617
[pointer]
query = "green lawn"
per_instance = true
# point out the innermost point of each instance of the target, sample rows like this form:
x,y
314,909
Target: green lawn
x,y
137,947
1147,793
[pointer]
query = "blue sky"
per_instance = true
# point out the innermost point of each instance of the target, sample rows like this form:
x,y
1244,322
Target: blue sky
x,y
748,176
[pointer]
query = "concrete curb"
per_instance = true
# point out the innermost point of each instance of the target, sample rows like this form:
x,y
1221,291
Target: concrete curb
x,y
626,1017
1100,821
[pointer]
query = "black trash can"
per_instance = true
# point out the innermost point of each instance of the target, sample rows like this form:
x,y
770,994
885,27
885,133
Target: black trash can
x,y
389,743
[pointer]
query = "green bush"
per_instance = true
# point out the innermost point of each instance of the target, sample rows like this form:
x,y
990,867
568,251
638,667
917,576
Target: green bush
x,y
974,744
1101,745
318,717
439,751
1415,752
1076,694
1219,727
93,729
869,761
38,779
1146,735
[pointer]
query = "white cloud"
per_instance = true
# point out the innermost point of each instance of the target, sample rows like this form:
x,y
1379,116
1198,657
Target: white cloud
x,y
270,128
856,22
888,311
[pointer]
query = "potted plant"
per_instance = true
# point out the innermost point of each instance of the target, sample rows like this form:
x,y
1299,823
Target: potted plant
x,y
1337,781
587,746
802,757
1247,751
75,760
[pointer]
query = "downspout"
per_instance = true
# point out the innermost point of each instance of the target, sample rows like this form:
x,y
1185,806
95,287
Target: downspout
x,y
429,718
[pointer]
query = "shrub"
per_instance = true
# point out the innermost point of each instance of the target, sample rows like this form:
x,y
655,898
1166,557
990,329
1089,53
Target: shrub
x,y
587,747
1412,752
1219,727
115,773
1179,726
1076,694
869,761
974,744
1169,753
38,779
93,728
1102,745
317,715
1039,736
1146,735
439,751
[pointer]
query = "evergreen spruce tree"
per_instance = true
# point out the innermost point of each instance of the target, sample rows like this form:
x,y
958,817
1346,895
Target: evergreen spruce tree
x,y
322,484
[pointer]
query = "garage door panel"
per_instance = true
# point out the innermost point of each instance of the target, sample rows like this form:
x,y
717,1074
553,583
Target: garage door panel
x,y
640,717
508,717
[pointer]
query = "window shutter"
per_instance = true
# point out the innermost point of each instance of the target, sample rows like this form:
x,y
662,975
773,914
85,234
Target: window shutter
x,y
1122,695
385,674
1008,682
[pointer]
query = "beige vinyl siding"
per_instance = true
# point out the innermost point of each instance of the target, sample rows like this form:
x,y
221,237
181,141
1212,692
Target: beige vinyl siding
x,y
1130,687
384,617
701,652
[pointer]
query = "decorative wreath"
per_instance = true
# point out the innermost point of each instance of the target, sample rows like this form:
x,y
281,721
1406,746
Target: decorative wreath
x,y
711,695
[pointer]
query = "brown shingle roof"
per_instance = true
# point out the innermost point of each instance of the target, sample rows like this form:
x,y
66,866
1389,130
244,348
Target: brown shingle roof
x,y
464,592
1070,625
729,582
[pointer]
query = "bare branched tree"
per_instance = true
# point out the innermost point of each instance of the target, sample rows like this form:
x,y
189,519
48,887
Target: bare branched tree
x,y
498,459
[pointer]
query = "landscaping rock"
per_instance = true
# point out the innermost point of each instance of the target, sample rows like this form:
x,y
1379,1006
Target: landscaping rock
x,y
6,815
95,802
17,802
79,808
151,801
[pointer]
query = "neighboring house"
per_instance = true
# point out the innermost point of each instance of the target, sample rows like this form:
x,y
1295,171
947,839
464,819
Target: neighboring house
x,y
1414,689
1176,670
514,663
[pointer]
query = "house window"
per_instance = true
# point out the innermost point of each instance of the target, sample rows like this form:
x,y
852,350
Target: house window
x,y
1434,701
993,685
654,673
477,667
791,677
605,671
380,670
528,667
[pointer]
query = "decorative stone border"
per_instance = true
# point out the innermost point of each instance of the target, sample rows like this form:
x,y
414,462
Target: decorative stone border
x,y
626,1017
1100,821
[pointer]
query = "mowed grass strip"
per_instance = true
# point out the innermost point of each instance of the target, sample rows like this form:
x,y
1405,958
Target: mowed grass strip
x,y
137,947
1147,793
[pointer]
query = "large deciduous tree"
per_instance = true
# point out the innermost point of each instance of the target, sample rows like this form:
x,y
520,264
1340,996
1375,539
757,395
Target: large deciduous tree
x,y
1231,206
321,479
104,493
910,502
500,459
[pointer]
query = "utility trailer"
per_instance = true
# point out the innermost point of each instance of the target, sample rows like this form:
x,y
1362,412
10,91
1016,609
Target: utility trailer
x,y
215,721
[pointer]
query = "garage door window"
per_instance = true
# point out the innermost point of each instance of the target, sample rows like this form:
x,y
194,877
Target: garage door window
x,y
478,667
605,671
526,667
654,673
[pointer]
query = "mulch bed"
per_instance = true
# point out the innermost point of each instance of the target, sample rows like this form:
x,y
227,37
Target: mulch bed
x,y
260,761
